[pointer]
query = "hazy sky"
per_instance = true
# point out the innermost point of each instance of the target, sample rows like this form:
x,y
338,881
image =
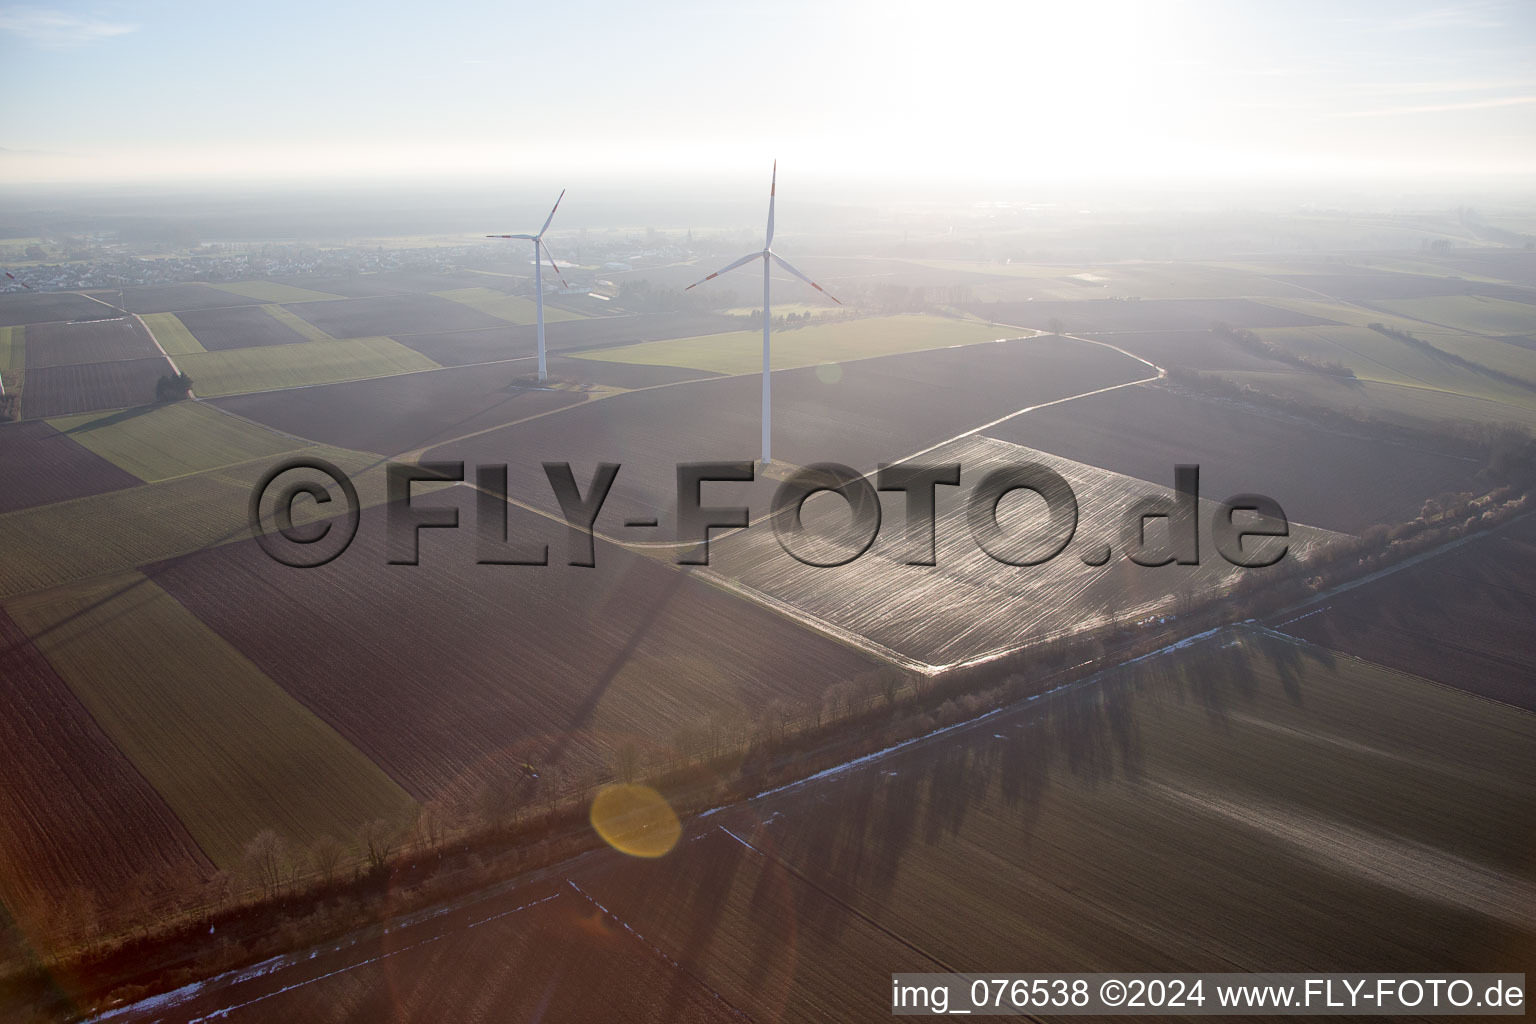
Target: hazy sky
x,y
992,91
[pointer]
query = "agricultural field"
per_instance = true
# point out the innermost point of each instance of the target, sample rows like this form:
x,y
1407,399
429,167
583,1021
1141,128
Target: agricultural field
x,y
1367,284
219,329
1201,349
1015,282
389,315
87,387
1460,617
1355,315
967,607
1374,356
588,967
164,441
478,665
175,298
236,371
13,356
1514,357
391,415
50,545
274,291
229,760
1325,478
455,348
1501,264
1167,816
87,341
828,342
47,307
860,413
1477,314
42,465
303,328
1098,316
171,333
13,347
86,824
1163,817
514,309
1412,405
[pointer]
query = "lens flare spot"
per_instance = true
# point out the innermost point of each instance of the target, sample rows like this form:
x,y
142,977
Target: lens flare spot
x,y
635,820
829,373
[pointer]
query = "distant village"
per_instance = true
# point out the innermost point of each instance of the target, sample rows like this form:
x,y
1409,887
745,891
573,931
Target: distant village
x,y
112,265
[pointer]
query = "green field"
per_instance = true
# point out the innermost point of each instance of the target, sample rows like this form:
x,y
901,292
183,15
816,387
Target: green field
x,y
230,751
270,367
159,442
114,532
1375,357
1515,360
1355,316
13,356
172,334
13,352
271,291
1414,405
514,309
298,323
834,342
1475,313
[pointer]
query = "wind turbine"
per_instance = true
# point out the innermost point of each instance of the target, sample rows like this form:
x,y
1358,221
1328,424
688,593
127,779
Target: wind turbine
x,y
769,257
538,273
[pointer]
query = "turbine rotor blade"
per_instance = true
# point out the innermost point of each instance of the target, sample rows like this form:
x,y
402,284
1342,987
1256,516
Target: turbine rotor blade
x,y
18,280
552,264
773,187
781,261
729,267
512,236
551,214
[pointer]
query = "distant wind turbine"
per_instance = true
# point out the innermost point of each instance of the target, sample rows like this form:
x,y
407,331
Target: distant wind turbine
x,y
538,273
769,257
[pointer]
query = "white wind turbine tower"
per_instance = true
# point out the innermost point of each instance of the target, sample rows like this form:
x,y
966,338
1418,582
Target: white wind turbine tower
x,y
538,273
769,257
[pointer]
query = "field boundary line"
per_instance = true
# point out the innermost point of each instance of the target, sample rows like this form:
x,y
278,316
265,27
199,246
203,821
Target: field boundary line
x,y
1297,641
174,368
575,353
851,909
738,1011
844,904
1407,563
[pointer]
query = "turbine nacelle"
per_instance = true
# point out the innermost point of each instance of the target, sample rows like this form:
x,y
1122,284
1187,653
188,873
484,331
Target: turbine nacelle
x,y
769,258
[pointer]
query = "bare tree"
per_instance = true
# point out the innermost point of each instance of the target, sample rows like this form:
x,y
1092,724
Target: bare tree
x,y
221,887
266,857
496,802
551,781
431,824
325,856
690,741
626,762
378,839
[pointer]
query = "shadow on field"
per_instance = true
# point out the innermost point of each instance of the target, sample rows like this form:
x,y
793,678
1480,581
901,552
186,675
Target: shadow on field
x,y
583,715
1002,771
118,417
